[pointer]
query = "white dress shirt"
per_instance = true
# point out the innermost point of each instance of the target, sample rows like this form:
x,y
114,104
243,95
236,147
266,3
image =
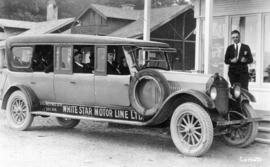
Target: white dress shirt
x,y
239,47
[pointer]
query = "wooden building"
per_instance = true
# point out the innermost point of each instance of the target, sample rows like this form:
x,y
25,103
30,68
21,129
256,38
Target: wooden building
x,y
103,20
173,25
252,19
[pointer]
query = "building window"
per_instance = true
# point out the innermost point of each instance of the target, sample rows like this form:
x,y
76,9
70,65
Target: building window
x,y
249,35
266,51
216,59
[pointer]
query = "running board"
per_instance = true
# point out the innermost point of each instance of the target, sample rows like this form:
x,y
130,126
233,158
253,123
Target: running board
x,y
42,113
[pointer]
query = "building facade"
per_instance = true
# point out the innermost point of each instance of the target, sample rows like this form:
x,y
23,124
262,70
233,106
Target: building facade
x,y
174,25
252,19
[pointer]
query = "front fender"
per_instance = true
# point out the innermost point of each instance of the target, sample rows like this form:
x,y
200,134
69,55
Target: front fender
x,y
205,100
177,98
29,93
246,95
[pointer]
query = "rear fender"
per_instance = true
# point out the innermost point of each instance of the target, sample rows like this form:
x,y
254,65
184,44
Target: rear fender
x,y
29,93
179,97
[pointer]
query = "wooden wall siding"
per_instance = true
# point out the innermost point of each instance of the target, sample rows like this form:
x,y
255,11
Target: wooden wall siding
x,y
92,18
94,24
100,29
232,7
178,34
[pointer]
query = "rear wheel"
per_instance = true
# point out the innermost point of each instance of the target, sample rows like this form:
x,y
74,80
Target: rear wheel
x,y
242,135
67,122
19,111
191,129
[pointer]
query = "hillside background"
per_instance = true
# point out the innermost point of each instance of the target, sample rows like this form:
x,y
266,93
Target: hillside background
x,y
35,10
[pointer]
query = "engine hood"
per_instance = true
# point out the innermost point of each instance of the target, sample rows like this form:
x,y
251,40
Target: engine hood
x,y
185,80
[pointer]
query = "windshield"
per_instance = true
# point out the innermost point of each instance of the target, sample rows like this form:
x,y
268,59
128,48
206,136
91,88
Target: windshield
x,y
144,58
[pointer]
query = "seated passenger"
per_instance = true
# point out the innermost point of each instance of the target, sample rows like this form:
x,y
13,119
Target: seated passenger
x,y
123,67
111,67
78,66
37,65
89,67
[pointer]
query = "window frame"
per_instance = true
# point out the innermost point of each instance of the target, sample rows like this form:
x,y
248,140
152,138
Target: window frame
x,y
258,48
102,72
58,63
263,28
17,68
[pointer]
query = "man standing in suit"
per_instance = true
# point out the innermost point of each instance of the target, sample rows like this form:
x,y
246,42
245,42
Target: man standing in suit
x,y
238,56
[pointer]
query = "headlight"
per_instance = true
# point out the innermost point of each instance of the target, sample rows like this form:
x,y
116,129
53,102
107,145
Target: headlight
x,y
213,93
236,91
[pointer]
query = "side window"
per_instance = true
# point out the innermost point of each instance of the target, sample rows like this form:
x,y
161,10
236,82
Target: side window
x,y
100,65
63,59
66,58
21,57
43,58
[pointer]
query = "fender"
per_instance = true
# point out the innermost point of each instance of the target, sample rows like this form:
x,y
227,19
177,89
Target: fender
x,y
167,107
246,95
29,93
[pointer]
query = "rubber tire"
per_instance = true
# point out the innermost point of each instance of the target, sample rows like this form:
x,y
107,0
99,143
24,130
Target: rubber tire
x,y
163,83
206,124
253,131
68,124
29,117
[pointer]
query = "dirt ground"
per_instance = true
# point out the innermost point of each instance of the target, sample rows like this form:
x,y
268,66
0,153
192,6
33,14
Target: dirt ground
x,y
100,145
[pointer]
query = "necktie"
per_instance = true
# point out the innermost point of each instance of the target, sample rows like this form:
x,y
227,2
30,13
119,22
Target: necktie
x,y
236,52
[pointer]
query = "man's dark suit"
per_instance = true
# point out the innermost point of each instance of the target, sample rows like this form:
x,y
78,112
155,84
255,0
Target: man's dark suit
x,y
111,69
238,72
78,69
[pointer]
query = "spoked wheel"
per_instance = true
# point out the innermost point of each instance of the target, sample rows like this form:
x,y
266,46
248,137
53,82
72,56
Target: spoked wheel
x,y
191,129
242,135
18,111
67,122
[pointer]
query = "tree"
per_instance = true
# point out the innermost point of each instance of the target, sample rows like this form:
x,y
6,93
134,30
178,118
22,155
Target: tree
x,y
22,10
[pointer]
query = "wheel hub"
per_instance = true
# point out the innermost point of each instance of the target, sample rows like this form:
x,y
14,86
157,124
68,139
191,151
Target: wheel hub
x,y
189,129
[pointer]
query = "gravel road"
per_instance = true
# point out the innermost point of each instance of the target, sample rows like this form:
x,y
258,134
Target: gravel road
x,y
100,145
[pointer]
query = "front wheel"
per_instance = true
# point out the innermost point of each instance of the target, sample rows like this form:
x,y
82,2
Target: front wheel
x,y
67,122
19,111
191,129
242,135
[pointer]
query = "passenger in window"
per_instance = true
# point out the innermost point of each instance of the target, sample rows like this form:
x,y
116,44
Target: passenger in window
x,y
78,66
37,65
111,65
123,67
89,67
49,67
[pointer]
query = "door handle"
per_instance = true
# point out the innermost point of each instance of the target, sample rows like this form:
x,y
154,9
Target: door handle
x,y
33,83
72,82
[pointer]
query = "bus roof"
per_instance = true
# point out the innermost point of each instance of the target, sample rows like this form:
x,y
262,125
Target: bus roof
x,y
80,39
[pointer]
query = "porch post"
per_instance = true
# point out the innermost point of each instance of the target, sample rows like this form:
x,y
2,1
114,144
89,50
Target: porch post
x,y
208,32
146,21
